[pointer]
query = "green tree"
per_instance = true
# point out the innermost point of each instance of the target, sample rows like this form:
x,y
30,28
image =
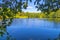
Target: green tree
x,y
47,5
14,5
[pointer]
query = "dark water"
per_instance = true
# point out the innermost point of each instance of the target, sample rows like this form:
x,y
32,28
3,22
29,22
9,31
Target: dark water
x,y
31,29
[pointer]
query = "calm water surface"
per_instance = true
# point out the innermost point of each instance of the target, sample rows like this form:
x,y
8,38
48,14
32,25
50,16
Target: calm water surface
x,y
31,29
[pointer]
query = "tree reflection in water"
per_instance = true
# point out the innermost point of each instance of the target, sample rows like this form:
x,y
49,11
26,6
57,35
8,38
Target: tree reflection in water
x,y
3,29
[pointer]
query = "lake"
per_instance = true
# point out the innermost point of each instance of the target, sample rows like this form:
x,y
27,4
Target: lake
x,y
31,29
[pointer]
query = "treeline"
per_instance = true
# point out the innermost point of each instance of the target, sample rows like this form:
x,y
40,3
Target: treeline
x,y
41,15
7,13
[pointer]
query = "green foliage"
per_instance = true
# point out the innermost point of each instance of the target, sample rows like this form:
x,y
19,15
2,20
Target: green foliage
x,y
15,4
25,5
42,14
32,15
47,5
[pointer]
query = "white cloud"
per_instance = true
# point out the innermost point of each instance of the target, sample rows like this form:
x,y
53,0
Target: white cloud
x,y
30,7
32,11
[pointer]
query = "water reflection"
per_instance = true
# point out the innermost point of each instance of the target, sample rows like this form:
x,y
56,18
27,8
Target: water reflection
x,y
58,38
35,28
56,22
3,30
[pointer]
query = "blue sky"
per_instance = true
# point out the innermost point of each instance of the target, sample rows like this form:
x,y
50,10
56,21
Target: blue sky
x,y
31,7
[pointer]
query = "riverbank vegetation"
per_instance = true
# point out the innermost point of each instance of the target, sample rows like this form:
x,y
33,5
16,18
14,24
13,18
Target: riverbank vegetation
x,y
9,14
35,15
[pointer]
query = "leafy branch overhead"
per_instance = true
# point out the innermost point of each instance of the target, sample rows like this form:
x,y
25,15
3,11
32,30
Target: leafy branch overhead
x,y
16,5
43,5
47,5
